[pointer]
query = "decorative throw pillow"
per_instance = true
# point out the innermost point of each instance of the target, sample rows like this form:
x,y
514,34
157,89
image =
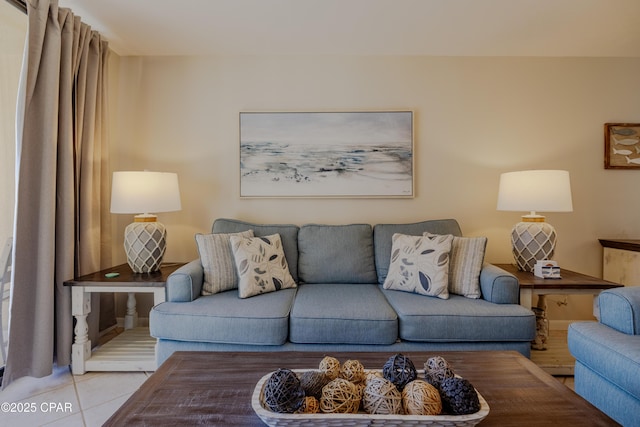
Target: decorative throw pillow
x,y
467,257
217,260
261,265
420,264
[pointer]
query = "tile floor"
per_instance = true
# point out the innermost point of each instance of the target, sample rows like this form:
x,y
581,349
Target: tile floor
x,y
63,399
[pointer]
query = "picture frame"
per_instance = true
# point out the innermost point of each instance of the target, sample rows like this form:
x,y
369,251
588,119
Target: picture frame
x,y
354,154
622,145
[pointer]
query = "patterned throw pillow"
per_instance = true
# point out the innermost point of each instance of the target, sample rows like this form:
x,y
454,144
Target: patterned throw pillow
x,y
217,261
261,265
467,257
420,264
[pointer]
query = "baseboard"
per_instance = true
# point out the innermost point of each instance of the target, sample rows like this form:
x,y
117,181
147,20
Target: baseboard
x,y
142,321
559,325
108,330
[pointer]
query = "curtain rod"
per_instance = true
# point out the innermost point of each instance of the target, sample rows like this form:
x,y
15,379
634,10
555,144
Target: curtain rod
x,y
20,4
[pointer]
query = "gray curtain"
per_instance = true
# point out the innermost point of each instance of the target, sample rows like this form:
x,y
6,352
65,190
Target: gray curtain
x,y
62,177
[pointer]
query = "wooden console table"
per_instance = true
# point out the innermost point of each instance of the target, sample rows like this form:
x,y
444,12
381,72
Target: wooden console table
x,y
621,261
132,350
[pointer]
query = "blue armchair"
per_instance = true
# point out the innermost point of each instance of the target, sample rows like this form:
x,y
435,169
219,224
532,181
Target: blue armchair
x,y
607,352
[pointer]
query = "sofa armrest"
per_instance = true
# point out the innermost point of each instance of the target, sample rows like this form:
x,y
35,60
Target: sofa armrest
x,y
498,285
620,309
185,284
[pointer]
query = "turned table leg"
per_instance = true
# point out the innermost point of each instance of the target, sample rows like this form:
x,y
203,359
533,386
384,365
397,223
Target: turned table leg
x,y
131,318
81,348
542,324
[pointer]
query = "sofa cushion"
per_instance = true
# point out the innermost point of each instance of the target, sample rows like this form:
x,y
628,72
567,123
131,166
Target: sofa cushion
x,y
225,318
459,319
262,266
382,234
342,314
420,264
288,233
217,261
620,309
336,254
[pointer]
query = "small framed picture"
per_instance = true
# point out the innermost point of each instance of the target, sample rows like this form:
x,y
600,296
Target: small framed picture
x,y
622,146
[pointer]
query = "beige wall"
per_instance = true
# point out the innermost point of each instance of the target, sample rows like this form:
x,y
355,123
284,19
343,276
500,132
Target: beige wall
x,y
474,119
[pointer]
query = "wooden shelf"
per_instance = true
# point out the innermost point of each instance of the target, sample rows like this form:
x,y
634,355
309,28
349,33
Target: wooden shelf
x,y
132,350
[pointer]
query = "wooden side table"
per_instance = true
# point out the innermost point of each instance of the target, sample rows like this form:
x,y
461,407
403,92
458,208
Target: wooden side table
x,y
570,283
132,350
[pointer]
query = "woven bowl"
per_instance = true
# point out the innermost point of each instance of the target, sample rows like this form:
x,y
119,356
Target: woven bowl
x,y
360,419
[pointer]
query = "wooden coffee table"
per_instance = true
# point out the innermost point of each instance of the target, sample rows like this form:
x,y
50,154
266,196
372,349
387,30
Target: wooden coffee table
x,y
215,388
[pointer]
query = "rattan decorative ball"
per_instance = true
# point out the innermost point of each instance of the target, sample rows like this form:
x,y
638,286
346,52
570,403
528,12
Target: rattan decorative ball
x,y
381,396
459,397
399,370
330,366
282,392
360,388
436,370
340,396
352,370
372,374
310,406
312,382
421,398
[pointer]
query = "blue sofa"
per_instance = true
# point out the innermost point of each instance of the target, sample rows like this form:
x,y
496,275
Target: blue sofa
x,y
339,303
607,352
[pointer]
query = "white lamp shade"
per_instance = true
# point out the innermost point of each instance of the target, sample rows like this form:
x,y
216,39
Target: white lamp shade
x,y
144,192
535,190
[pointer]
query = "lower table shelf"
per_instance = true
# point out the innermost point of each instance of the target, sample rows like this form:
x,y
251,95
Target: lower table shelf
x,y
131,350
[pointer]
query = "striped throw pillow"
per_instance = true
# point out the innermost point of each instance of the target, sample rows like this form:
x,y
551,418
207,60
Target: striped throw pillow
x,y
466,259
218,263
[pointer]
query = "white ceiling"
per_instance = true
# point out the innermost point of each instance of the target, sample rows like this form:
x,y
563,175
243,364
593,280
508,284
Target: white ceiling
x,y
367,27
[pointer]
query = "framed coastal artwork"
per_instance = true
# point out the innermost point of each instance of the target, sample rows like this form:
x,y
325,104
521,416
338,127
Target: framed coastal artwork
x,y
622,145
326,154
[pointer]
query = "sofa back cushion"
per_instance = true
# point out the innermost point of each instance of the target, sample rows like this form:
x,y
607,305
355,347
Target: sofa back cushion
x,y
336,254
288,234
383,234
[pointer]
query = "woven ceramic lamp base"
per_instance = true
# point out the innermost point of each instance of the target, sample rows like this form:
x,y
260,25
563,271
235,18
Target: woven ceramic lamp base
x,y
532,241
144,244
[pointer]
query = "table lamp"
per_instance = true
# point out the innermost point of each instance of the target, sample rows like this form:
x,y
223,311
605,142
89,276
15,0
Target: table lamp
x,y
142,193
534,239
